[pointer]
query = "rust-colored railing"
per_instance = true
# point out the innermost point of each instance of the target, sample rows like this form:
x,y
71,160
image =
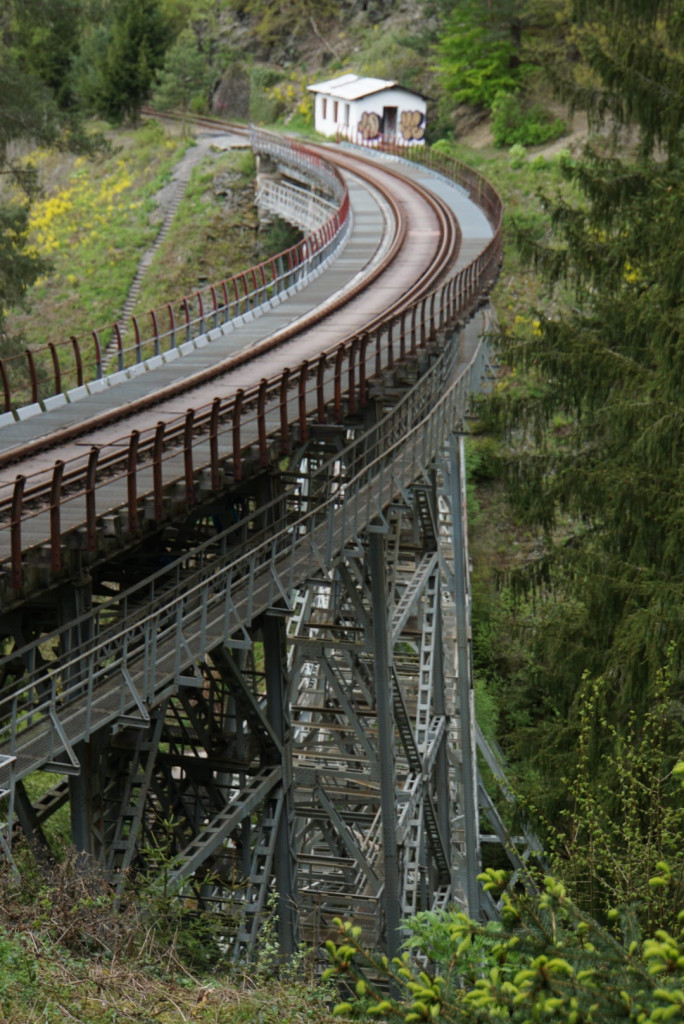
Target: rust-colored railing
x,y
209,444
43,371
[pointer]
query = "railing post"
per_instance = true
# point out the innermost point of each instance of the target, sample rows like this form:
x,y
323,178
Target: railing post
x,y
119,346
339,358
155,328
138,343
237,451
15,531
186,309
213,445
214,300
363,388
172,325
55,367
198,296
303,426
284,422
55,529
79,360
261,423
5,385
226,305
157,476
32,374
320,388
91,481
352,381
132,481
187,457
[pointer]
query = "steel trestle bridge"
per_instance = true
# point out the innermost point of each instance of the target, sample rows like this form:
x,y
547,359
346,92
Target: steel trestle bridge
x,y
234,594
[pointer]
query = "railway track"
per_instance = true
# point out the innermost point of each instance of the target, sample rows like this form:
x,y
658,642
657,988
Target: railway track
x,y
148,551
241,400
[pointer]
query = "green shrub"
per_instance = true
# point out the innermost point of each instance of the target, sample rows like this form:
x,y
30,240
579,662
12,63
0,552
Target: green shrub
x,y
545,960
264,107
515,123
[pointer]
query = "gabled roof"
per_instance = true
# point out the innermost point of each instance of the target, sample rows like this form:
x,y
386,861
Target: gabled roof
x,y
355,87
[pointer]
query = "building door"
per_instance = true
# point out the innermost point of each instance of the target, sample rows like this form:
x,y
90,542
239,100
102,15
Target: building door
x,y
389,120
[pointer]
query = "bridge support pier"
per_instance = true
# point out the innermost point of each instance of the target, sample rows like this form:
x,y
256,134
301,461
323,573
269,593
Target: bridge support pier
x,y
294,715
386,760
278,713
455,484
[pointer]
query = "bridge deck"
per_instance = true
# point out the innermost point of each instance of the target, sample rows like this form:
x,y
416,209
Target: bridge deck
x,y
368,239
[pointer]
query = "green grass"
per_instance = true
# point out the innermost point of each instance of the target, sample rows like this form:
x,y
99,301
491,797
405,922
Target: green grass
x,y
97,219
69,952
93,222
215,232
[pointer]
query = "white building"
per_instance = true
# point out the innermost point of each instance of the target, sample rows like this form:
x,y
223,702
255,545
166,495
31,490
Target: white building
x,y
370,109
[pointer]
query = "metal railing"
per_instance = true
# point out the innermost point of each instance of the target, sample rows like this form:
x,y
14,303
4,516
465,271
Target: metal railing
x,y
207,597
123,654
35,376
338,382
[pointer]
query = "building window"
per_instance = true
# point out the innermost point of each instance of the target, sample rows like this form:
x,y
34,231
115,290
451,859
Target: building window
x,y
335,108
324,107
346,114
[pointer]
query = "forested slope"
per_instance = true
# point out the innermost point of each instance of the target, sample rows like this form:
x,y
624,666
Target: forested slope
x,y
578,639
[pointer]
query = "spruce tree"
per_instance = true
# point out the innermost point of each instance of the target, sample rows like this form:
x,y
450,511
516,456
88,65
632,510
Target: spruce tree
x,y
596,459
123,57
33,96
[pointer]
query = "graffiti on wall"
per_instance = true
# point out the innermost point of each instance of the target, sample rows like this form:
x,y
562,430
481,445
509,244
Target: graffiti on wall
x,y
411,125
369,125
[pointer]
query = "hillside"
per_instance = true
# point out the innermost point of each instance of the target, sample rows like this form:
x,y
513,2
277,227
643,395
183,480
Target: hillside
x,y
575,461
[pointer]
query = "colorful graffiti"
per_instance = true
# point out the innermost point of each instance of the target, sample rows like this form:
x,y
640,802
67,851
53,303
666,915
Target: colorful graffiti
x,y
411,125
369,125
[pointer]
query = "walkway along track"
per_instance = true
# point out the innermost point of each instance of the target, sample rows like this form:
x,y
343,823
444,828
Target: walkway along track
x,y
68,489
148,603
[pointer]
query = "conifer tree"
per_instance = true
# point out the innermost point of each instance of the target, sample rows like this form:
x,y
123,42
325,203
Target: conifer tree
x,y
186,74
122,57
33,95
597,437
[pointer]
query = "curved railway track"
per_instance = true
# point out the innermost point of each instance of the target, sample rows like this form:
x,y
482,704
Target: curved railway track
x,y
151,548
242,400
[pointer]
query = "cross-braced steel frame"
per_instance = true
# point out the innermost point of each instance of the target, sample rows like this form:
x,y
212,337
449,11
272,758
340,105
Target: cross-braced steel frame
x,y
278,697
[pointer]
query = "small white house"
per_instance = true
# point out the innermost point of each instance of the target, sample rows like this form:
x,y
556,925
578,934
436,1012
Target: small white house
x,y
369,109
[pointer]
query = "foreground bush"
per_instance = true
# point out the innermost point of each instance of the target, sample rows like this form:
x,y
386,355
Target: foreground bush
x,y
545,961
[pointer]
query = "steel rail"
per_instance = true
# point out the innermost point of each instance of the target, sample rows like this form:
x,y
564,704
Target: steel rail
x,y
216,370
118,669
351,364
228,299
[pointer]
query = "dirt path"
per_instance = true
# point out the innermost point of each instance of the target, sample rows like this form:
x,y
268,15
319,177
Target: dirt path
x,y
168,200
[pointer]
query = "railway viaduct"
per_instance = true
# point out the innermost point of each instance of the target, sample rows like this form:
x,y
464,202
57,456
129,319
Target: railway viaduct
x,y
234,598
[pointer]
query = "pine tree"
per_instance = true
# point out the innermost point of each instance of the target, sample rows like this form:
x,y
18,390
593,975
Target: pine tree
x,y
186,74
123,57
597,453
33,96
